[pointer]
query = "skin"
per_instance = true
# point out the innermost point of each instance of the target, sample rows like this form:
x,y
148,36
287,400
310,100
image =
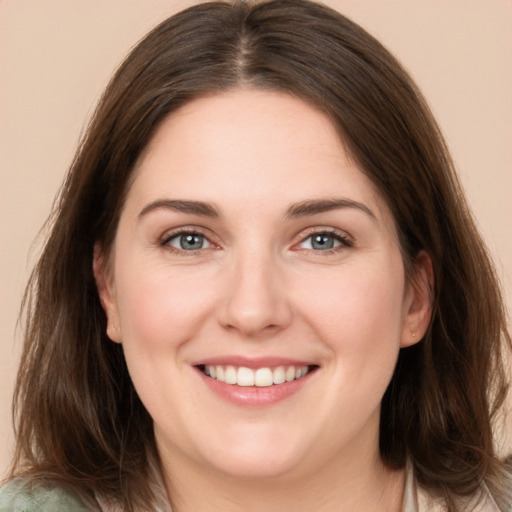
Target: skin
x,y
258,287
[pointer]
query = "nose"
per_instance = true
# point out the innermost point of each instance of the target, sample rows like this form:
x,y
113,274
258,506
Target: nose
x,y
256,301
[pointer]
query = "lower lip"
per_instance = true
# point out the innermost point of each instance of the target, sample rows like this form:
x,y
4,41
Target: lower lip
x,y
253,395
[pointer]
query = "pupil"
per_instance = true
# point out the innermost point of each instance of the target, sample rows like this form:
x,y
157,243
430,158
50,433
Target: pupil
x,y
322,242
191,242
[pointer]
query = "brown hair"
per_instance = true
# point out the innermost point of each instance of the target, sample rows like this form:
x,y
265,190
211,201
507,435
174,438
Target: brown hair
x,y
78,417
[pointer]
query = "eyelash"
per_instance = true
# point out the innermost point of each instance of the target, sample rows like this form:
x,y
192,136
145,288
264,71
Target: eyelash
x,y
168,237
344,240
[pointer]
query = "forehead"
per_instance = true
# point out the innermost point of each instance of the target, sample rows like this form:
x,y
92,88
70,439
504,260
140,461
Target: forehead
x,y
250,147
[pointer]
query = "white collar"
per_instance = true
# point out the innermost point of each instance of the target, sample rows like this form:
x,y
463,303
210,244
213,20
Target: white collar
x,y
418,499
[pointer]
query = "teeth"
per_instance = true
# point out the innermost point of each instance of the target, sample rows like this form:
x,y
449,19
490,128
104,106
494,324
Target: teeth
x,y
290,374
262,377
230,375
245,377
279,375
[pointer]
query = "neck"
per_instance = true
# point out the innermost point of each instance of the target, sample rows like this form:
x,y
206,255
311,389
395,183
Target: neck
x,y
341,485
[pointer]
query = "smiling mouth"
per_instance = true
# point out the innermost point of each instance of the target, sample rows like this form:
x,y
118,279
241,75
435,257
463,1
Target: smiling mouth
x,y
259,377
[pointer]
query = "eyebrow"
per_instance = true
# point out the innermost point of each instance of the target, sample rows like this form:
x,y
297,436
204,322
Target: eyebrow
x,y
315,206
183,206
301,209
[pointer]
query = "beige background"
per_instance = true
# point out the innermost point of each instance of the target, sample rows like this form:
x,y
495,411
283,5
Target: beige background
x,y
56,56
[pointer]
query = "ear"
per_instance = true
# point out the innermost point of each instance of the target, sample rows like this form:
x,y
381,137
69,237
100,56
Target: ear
x,y
418,301
106,291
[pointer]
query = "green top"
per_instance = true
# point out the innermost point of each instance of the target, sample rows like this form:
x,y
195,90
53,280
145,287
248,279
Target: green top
x,y
21,495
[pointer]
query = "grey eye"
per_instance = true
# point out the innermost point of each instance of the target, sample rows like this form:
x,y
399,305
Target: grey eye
x,y
320,242
189,242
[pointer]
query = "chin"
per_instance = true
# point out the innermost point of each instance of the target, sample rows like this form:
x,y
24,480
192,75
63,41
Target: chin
x,y
264,457
256,467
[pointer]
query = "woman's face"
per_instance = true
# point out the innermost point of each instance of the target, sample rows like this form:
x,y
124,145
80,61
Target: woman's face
x,y
257,286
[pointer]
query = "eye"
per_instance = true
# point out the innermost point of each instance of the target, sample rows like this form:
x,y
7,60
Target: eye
x,y
324,241
188,241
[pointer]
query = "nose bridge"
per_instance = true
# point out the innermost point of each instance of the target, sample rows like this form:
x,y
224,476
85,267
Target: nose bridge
x,y
255,298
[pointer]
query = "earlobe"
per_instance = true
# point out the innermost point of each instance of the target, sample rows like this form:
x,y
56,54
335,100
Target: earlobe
x,y
418,301
106,292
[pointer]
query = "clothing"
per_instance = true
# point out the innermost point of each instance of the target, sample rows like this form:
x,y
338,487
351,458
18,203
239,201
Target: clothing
x,y
418,499
20,496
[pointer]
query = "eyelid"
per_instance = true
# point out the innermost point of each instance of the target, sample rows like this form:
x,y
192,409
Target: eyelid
x,y
168,235
342,236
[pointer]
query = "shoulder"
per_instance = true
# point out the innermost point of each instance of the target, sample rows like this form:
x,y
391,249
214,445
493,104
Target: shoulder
x,y
419,499
482,501
24,495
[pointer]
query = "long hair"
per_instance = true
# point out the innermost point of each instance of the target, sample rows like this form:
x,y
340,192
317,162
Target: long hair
x,y
77,415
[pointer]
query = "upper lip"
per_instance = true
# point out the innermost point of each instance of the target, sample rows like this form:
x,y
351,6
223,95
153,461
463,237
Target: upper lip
x,y
251,362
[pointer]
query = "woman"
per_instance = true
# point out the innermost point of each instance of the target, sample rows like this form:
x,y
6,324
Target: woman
x,y
263,283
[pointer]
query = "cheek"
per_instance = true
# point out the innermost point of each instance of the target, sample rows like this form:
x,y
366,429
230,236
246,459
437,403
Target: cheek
x,y
161,307
161,310
360,313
